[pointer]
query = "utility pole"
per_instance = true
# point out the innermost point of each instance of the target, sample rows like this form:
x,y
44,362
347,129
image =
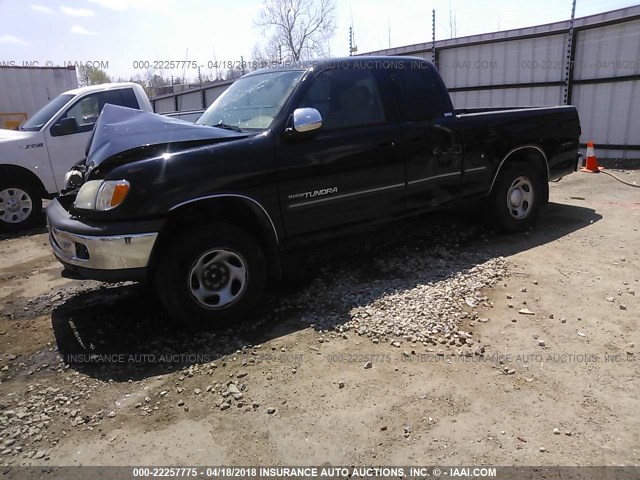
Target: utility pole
x,y
433,37
280,53
202,105
568,69
184,70
352,48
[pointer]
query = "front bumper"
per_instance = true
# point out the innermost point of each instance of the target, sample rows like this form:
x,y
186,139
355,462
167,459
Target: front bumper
x,y
104,251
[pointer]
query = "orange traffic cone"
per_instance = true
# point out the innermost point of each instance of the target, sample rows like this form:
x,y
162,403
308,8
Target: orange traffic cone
x,y
592,162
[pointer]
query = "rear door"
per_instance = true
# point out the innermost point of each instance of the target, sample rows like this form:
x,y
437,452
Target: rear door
x,y
351,170
432,150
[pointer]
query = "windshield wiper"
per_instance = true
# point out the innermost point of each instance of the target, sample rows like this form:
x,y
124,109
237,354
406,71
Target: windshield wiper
x,y
228,127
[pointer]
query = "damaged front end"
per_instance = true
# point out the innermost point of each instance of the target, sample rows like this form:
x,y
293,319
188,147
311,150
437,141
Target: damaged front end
x,y
91,234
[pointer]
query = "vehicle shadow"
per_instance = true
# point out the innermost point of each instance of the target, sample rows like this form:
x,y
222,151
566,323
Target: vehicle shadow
x,y
556,221
122,332
40,228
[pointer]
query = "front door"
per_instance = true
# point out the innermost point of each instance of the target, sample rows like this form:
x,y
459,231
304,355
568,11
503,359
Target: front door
x,y
351,170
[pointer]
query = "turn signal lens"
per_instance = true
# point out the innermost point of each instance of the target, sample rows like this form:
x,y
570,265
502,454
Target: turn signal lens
x,y
111,194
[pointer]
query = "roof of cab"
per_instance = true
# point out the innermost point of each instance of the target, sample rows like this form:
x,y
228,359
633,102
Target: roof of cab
x,y
99,88
339,61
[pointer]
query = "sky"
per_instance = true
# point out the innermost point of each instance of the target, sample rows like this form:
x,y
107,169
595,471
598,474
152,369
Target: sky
x,y
123,35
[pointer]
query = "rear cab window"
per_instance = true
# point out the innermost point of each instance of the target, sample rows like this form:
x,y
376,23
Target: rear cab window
x,y
418,92
125,97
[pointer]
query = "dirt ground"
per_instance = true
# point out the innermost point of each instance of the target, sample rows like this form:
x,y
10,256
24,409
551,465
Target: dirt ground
x,y
559,386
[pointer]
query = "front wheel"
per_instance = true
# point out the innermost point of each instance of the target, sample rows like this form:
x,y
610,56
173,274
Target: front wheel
x,y
515,200
20,205
211,278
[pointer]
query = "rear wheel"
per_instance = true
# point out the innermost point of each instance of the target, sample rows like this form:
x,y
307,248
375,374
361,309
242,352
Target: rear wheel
x,y
514,203
211,278
20,205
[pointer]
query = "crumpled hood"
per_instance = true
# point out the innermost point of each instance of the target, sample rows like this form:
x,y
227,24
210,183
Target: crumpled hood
x,y
119,129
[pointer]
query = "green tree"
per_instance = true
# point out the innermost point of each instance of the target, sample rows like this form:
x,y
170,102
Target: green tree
x,y
90,75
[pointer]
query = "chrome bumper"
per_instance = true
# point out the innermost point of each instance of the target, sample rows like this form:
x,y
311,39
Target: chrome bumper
x,y
116,252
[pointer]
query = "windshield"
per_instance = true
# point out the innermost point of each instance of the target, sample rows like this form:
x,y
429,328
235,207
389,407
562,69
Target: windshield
x,y
252,103
36,122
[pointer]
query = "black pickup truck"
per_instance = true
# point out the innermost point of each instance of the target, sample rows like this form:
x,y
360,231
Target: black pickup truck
x,y
286,156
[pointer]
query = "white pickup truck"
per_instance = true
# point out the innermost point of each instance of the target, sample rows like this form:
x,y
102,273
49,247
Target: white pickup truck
x,y
35,159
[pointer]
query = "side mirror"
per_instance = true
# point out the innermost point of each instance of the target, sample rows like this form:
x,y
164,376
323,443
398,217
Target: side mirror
x,y
306,120
66,126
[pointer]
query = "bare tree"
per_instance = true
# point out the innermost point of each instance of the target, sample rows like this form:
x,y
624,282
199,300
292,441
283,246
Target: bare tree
x,y
267,54
155,82
302,28
233,73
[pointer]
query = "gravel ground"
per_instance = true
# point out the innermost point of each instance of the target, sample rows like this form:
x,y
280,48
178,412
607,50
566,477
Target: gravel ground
x,y
397,347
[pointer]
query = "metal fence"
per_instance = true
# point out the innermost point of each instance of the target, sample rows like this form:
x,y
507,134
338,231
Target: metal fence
x,y
195,98
598,72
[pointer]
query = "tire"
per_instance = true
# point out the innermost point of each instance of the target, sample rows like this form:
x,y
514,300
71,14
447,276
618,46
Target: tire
x,y
20,205
515,201
210,278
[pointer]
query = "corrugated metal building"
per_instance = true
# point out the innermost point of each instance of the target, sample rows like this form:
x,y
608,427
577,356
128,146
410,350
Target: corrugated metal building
x,y
598,72
25,90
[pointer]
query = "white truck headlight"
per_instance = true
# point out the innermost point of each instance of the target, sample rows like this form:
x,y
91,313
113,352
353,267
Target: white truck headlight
x,y
101,195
